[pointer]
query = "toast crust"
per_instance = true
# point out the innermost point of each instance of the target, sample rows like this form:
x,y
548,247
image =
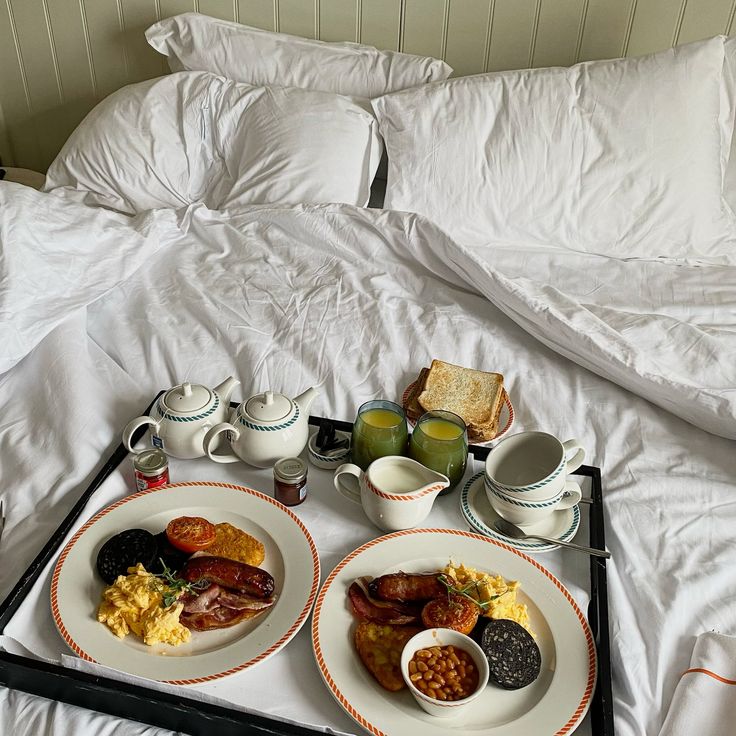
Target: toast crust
x,y
484,434
412,407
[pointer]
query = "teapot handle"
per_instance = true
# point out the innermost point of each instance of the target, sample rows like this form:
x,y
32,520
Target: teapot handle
x,y
350,485
132,426
211,436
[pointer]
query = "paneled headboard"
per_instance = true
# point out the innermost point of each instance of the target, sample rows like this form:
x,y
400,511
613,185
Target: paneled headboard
x,y
59,57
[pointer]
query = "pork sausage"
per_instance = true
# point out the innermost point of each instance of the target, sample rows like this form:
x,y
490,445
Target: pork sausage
x,y
230,574
403,587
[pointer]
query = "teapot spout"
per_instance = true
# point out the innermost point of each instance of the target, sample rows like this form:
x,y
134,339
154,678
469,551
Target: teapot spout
x,y
304,400
226,388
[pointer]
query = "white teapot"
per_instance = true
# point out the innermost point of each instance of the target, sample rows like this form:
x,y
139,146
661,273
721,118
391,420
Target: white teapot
x,y
179,420
264,429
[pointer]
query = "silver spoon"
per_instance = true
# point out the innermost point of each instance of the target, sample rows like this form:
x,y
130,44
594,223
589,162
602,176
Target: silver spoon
x,y
513,531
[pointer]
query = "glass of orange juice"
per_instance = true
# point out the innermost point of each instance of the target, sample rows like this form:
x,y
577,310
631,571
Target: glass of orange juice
x,y
440,442
379,430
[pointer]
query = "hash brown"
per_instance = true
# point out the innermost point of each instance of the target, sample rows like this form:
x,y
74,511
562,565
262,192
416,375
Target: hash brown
x,y
379,647
235,544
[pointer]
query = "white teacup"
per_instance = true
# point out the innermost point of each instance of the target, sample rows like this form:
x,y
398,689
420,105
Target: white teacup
x,y
532,466
526,513
395,492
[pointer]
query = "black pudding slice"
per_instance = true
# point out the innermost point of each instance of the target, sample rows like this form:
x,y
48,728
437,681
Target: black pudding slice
x,y
513,655
125,550
167,554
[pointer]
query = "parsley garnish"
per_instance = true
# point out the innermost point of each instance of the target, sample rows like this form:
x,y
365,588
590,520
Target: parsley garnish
x,y
172,587
472,585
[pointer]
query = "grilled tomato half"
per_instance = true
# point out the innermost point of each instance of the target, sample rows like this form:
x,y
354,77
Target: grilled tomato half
x,y
451,612
191,533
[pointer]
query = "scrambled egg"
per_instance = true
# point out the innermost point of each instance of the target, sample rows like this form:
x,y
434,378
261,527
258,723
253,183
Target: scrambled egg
x,y
134,603
495,590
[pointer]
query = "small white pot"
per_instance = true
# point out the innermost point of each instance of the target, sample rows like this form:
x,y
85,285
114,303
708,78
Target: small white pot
x,y
442,638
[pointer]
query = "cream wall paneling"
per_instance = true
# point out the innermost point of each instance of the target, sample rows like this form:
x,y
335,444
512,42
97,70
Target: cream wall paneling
x,y
58,58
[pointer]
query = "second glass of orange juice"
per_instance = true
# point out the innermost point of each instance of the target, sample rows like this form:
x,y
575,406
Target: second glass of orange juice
x,y
379,430
440,442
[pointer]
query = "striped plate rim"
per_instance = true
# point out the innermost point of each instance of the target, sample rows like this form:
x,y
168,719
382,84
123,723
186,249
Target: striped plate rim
x,y
276,646
334,687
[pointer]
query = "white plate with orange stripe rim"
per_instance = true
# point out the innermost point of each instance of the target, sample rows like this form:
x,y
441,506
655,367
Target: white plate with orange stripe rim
x,y
554,704
505,418
291,557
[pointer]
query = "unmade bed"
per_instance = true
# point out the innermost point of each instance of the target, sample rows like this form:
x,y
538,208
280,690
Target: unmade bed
x,y
202,225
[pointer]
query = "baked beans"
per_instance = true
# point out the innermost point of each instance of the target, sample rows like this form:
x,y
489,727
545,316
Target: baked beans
x,y
443,673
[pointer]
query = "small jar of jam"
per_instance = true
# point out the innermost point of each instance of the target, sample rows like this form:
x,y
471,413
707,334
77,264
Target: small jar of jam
x,y
290,481
151,469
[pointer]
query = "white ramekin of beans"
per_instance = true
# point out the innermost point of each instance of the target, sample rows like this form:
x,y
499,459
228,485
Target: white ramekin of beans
x,y
444,670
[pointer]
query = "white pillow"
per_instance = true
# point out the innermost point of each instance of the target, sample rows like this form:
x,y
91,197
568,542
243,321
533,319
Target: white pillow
x,y
194,136
254,56
624,158
146,146
289,146
728,118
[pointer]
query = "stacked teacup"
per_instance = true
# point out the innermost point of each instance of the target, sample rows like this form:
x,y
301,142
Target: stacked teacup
x,y
526,476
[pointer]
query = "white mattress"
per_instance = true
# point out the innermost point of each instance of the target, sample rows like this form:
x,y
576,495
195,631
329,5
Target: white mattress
x,y
356,301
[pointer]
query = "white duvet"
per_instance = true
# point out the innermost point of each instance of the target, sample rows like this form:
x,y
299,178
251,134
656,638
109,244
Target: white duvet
x,y
636,359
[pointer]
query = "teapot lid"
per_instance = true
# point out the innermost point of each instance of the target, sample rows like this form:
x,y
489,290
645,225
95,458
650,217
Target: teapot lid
x,y
268,406
189,397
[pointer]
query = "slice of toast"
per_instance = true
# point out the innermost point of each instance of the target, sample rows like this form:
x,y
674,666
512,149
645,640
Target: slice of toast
x,y
484,433
474,395
412,407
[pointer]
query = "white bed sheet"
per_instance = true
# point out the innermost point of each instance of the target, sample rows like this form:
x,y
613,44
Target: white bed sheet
x,y
357,301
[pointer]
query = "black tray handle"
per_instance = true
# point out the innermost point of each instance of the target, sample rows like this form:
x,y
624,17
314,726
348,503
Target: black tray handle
x,y
126,700
601,708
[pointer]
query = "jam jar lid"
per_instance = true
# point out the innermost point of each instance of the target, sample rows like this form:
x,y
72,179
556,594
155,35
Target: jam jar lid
x,y
290,470
150,462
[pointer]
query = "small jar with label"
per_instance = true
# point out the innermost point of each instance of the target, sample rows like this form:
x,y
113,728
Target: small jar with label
x,y
151,469
290,481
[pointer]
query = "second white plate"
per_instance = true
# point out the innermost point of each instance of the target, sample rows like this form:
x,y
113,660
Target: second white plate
x,y
554,704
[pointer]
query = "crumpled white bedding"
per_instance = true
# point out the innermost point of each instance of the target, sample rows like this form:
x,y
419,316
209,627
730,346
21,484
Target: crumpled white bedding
x,y
663,329
357,301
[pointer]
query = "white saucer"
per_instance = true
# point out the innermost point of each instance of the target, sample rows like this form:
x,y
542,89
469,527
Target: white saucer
x,y
479,513
334,458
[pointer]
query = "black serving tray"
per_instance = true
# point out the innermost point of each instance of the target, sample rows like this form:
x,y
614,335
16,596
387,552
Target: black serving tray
x,y
179,713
